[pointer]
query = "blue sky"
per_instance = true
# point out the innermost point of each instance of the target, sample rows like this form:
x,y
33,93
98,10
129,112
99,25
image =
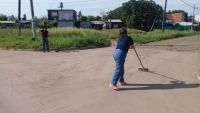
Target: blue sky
x,y
87,7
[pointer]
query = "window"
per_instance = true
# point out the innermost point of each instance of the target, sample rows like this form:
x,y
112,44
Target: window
x,y
115,25
54,14
66,15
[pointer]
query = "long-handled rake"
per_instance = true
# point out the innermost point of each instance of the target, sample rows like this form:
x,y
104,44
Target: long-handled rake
x,y
143,68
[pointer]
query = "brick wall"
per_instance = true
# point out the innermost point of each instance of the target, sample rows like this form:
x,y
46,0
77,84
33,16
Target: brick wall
x,y
176,17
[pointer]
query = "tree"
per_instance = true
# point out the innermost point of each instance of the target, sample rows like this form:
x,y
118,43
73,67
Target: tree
x,y
98,18
103,15
16,21
44,22
83,18
54,23
137,13
90,18
116,14
41,18
104,18
79,14
3,17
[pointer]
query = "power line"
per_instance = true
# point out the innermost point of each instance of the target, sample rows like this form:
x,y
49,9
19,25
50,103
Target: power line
x,y
187,4
70,4
190,5
183,4
50,3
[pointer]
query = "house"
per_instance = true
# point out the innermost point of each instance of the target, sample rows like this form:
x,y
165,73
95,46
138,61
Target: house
x,y
189,18
7,23
85,24
197,18
175,17
98,25
65,18
24,23
116,23
186,26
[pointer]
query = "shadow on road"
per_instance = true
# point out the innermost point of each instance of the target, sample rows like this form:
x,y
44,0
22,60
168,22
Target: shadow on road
x,y
165,76
172,85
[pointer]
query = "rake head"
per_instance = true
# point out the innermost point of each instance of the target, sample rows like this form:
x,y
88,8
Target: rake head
x,y
143,69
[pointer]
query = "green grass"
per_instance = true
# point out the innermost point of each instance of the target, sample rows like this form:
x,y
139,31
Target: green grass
x,y
74,38
157,35
58,38
141,37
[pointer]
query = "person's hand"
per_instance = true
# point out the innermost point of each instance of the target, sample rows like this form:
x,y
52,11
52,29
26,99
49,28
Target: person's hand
x,y
46,38
132,47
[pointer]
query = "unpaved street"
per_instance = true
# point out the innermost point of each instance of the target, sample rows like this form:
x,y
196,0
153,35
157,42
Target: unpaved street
x,y
78,81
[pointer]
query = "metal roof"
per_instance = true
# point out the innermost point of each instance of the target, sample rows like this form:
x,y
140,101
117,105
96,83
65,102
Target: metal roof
x,y
97,22
7,22
13,22
115,20
60,10
185,24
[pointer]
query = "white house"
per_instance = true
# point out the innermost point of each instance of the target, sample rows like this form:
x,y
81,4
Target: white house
x,y
197,18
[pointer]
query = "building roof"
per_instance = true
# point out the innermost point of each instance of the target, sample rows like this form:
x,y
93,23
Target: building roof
x,y
97,22
7,22
186,24
13,22
115,20
60,10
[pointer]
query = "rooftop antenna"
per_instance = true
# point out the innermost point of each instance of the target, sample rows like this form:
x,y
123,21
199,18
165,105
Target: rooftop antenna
x,y
61,5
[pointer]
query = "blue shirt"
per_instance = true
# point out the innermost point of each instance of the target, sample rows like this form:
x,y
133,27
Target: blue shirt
x,y
124,43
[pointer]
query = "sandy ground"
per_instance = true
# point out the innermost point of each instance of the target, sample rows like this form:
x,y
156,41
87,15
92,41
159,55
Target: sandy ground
x,y
77,82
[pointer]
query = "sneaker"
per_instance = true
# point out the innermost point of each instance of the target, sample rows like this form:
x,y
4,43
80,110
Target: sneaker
x,y
114,87
122,83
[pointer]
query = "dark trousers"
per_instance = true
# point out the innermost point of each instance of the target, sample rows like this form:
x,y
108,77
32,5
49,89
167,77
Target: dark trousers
x,y
45,44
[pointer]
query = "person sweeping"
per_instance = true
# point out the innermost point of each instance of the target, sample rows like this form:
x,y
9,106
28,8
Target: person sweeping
x,y
124,43
45,41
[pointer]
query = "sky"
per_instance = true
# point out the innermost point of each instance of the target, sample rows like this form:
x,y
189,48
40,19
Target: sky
x,y
87,7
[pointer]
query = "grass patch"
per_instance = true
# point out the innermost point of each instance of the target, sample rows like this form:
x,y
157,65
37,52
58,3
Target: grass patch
x,y
64,38
157,35
141,37
58,38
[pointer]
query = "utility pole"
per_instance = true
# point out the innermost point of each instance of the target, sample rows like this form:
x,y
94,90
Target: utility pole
x,y
33,20
19,14
193,18
148,25
164,16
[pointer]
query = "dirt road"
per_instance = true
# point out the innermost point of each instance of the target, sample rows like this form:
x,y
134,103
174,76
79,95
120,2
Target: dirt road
x,y
78,82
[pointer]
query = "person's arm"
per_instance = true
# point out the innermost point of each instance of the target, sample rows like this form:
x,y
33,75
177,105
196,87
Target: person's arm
x,y
39,31
132,46
47,35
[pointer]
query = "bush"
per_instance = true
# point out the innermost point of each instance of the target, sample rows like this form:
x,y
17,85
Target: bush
x,y
54,23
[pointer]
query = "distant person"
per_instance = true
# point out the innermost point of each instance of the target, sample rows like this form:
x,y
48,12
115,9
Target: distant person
x,y
124,43
45,41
